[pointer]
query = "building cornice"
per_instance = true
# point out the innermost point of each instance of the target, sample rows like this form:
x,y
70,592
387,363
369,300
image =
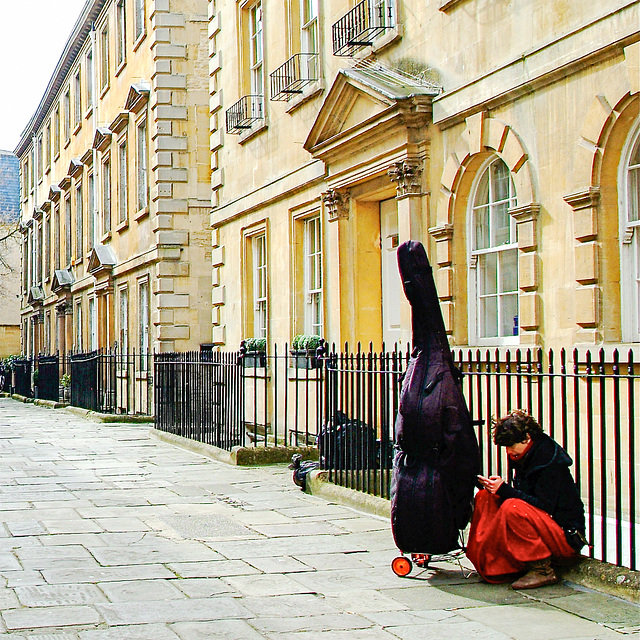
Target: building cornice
x,y
78,37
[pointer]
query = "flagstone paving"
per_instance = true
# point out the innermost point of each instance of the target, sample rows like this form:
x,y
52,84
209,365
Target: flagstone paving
x,y
109,534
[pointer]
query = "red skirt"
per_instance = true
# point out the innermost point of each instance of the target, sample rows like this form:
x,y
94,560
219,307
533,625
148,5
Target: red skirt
x,y
507,534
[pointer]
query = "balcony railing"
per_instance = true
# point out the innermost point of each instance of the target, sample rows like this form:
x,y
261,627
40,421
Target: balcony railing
x,y
294,75
361,26
244,113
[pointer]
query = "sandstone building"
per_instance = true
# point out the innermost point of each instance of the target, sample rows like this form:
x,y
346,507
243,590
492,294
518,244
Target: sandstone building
x,y
116,184
503,135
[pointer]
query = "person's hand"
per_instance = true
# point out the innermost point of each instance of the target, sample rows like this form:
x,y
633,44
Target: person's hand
x,y
492,483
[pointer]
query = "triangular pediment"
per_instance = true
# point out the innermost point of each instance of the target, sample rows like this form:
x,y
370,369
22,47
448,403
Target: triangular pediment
x,y
62,278
36,295
360,97
101,259
346,106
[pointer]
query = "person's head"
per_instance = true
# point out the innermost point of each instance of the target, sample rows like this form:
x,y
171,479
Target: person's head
x,y
515,432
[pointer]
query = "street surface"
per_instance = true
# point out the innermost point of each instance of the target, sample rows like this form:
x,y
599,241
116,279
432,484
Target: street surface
x,y
109,534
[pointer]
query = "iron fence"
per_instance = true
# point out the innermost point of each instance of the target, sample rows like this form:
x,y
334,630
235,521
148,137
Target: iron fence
x,y
200,395
47,384
586,402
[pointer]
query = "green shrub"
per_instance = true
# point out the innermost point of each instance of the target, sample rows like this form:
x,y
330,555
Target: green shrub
x,y
256,344
305,342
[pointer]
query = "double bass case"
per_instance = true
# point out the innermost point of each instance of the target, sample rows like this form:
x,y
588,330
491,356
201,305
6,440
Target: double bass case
x,y
437,459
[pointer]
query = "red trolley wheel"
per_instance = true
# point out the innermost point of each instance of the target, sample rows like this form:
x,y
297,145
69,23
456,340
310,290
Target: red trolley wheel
x,y
401,566
421,560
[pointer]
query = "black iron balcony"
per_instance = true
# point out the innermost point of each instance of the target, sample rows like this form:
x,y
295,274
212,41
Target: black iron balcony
x,y
244,113
294,75
360,27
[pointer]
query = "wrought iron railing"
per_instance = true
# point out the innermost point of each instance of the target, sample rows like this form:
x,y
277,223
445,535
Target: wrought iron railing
x,y
244,113
361,26
294,75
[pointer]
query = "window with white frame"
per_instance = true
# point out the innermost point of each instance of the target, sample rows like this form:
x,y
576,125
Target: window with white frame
x,y
259,259
313,308
93,324
144,313
56,236
256,54
104,58
79,221
47,247
56,132
106,195
67,234
309,35
78,319
629,196
142,165
91,213
66,103
77,99
139,18
123,319
121,33
40,158
89,79
494,257
123,189
47,144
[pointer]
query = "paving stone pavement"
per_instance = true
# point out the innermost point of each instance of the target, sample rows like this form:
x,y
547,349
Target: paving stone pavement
x,y
109,534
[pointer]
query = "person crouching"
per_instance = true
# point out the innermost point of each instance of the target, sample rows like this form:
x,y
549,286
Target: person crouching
x,y
525,527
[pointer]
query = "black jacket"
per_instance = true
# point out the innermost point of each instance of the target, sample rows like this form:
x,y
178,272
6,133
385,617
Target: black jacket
x,y
542,478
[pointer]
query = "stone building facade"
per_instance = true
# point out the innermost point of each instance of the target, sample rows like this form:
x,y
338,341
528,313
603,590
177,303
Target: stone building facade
x,y
503,135
116,185
9,255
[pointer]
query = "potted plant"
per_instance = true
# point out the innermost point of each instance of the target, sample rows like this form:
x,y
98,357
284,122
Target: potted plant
x,y
304,351
65,382
254,352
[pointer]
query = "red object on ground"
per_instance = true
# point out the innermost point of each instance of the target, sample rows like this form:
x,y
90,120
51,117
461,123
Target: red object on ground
x,y
505,535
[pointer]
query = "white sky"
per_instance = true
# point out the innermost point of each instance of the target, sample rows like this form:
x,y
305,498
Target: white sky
x,y
32,36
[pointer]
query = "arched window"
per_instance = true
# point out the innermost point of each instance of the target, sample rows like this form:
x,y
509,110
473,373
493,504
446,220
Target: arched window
x,y
493,302
629,190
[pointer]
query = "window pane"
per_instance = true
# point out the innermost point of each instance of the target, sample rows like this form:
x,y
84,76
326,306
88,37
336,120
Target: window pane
x,y
509,315
489,317
500,224
500,181
633,207
488,274
508,270
481,216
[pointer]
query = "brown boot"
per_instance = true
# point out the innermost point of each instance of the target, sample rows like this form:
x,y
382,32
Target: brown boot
x,y
539,574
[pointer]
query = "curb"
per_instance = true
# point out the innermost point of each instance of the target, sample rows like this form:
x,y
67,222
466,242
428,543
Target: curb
x,y
319,485
110,418
238,456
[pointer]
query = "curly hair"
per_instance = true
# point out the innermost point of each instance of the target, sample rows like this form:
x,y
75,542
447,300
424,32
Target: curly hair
x,y
515,427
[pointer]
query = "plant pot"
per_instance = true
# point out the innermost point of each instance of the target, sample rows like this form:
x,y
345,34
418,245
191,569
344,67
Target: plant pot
x,y
254,359
303,359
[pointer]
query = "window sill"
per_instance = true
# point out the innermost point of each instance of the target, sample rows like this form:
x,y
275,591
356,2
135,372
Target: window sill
x,y
56,157
140,39
139,215
120,67
103,91
77,127
106,237
77,261
47,170
312,92
122,226
67,142
88,112
249,135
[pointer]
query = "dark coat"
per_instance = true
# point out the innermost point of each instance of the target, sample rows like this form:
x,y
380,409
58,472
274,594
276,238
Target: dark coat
x,y
542,478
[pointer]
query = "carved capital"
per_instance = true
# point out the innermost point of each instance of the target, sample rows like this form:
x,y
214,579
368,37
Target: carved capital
x,y
407,176
64,308
442,232
336,204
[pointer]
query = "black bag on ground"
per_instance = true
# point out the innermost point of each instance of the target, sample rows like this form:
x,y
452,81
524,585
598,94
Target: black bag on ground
x,y
438,461
346,443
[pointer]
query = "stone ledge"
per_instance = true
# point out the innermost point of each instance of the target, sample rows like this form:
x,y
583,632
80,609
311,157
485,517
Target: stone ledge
x,y
111,418
602,576
319,485
240,456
